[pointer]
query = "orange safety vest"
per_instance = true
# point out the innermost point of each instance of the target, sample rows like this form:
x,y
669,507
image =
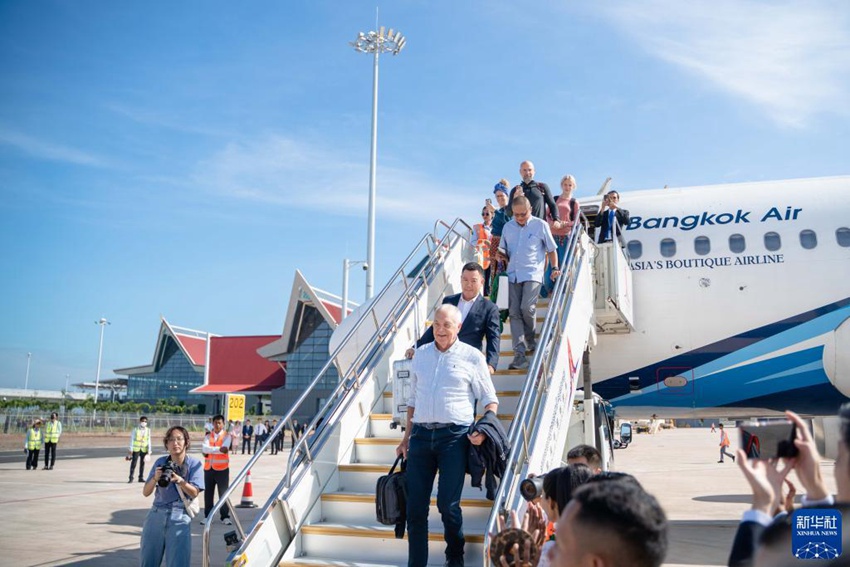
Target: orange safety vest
x,y
218,461
482,245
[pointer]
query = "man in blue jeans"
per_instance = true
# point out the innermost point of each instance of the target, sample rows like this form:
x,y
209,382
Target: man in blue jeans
x,y
448,377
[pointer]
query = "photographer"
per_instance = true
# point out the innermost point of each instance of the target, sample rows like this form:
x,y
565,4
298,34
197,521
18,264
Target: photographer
x,y
611,219
167,530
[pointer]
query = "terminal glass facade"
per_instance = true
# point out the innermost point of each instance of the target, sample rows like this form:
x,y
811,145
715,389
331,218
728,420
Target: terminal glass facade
x,y
173,378
309,357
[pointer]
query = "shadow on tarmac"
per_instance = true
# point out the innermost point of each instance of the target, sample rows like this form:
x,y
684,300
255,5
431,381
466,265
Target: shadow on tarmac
x,y
692,541
725,498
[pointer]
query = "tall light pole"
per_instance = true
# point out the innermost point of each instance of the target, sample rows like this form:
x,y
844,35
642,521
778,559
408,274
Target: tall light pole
x,y
103,323
347,265
375,43
27,379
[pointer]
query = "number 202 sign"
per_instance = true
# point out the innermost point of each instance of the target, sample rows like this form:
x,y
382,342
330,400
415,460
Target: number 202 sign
x,y
235,407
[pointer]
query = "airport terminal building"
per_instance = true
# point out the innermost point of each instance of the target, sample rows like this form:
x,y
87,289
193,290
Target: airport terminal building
x,y
198,367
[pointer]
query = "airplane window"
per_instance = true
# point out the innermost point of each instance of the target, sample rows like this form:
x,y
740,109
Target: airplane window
x,y
842,235
808,239
772,241
635,249
668,247
702,245
737,243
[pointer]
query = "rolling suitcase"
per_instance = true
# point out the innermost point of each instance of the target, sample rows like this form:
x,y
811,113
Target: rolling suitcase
x,y
402,373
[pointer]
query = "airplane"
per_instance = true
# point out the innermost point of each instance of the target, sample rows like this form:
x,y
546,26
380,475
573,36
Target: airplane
x,y
741,298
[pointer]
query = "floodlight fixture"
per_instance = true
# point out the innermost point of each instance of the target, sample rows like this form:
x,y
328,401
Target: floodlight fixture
x,y
375,43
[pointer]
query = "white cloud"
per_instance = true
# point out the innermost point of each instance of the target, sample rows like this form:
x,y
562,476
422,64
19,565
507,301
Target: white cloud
x,y
46,150
282,171
790,58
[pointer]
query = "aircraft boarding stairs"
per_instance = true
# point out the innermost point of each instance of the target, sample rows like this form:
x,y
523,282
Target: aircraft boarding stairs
x,y
323,510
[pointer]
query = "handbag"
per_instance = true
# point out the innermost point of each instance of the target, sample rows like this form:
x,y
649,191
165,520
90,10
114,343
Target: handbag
x,y
391,498
191,504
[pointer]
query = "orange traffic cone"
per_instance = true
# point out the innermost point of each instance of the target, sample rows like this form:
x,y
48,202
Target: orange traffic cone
x,y
247,494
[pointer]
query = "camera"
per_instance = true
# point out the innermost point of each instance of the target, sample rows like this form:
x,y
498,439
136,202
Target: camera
x,y
770,440
365,266
167,474
532,488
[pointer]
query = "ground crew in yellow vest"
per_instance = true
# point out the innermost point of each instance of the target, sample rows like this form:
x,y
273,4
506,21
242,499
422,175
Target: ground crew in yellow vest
x,y
216,449
52,432
140,448
32,444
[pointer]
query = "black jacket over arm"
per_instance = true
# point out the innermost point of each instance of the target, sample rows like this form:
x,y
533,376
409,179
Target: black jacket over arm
x,y
482,323
490,459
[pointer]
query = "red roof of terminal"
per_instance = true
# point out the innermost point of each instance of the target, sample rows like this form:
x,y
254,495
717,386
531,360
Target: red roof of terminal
x,y
334,310
235,366
195,348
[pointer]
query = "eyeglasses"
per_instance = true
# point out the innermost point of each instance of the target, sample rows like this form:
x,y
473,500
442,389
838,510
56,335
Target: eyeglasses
x,y
485,214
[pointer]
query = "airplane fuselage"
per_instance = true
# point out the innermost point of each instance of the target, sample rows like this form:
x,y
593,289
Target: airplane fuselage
x,y
741,299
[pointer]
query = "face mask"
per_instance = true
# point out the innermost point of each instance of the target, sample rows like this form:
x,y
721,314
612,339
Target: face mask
x,y
143,424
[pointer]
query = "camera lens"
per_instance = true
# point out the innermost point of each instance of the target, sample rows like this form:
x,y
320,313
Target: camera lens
x,y
531,488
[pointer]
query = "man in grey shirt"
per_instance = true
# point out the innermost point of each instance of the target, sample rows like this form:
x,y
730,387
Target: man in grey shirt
x,y
448,377
526,241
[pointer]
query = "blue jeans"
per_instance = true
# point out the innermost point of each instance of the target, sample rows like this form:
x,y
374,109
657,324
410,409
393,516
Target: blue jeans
x,y
164,536
431,450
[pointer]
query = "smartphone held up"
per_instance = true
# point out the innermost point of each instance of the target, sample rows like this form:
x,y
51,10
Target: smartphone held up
x,y
768,440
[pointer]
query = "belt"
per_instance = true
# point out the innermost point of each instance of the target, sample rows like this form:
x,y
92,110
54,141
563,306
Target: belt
x,y
434,425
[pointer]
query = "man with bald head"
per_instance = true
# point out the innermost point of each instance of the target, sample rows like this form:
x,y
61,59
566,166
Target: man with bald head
x,y
537,193
447,377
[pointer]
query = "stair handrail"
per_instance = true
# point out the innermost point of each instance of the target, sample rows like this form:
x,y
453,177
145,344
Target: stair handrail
x,y
524,426
434,246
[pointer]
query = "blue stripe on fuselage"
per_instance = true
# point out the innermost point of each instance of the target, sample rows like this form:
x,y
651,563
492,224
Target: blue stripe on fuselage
x,y
709,361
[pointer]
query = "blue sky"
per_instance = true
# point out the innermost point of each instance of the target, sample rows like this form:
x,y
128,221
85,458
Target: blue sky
x,y
184,158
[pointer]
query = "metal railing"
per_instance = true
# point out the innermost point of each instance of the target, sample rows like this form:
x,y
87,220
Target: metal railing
x,y
456,234
527,425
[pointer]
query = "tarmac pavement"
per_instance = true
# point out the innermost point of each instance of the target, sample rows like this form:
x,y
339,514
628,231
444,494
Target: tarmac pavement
x,y
85,513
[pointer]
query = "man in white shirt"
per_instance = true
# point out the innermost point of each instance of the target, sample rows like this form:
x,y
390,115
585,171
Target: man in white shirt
x,y
448,377
259,434
216,450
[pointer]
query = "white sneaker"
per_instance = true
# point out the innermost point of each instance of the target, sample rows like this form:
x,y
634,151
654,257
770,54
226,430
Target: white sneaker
x,y
227,522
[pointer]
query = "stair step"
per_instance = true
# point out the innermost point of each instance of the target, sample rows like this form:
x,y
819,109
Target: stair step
x,y
377,531
362,497
363,477
360,543
351,508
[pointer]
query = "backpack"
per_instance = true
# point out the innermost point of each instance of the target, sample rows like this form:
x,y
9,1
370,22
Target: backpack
x,y
391,498
572,207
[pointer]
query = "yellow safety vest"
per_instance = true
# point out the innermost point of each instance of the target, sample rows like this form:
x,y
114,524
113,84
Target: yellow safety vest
x,y
218,461
51,432
140,442
34,440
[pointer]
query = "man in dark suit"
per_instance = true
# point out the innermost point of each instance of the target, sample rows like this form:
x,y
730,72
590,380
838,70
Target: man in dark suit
x,y
480,316
609,212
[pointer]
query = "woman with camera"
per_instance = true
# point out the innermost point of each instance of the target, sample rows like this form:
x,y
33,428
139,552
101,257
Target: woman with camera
x,y
167,531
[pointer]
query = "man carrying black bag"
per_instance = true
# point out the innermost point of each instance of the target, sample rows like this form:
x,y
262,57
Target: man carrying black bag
x,y
447,377
391,498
